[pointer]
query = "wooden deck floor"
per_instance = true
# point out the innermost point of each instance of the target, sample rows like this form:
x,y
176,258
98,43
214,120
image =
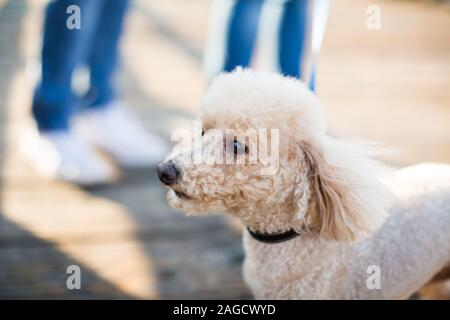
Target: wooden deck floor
x,y
390,85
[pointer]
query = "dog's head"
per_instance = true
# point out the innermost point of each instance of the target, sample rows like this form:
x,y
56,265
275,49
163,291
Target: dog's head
x,y
263,146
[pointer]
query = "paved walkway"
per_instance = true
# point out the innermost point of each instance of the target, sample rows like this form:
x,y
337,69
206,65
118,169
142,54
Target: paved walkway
x,y
391,85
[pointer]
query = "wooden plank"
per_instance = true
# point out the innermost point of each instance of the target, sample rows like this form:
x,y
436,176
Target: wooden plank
x,y
154,268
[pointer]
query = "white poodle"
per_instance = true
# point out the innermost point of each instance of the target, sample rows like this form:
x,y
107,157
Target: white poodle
x,y
321,221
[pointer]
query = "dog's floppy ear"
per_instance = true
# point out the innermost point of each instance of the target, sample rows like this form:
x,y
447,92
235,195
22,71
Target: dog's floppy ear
x,y
346,199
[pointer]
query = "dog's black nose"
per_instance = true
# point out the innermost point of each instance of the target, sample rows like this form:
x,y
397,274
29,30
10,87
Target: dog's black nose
x,y
167,173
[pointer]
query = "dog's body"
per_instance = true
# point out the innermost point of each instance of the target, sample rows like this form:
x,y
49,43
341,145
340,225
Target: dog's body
x,y
410,248
329,190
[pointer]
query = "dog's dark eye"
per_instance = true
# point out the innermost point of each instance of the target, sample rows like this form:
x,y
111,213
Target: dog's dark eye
x,y
238,148
203,132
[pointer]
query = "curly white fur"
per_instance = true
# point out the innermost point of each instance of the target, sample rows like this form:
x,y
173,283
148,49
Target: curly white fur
x,y
329,189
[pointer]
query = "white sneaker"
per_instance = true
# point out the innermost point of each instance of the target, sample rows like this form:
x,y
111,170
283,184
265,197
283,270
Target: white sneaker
x,y
116,130
66,156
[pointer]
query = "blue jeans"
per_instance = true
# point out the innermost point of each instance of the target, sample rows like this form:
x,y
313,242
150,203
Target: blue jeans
x,y
94,44
243,29
292,39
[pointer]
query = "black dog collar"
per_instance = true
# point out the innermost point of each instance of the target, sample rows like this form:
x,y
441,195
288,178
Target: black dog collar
x,y
274,238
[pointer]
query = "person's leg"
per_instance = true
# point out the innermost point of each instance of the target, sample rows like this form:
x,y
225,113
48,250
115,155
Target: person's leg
x,y
292,37
103,57
300,37
56,150
63,49
242,33
106,121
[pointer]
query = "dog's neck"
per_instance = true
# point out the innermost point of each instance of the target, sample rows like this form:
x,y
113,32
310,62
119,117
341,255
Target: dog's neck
x,y
272,220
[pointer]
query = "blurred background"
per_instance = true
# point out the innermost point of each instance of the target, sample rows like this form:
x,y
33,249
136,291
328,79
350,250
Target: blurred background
x,y
390,85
